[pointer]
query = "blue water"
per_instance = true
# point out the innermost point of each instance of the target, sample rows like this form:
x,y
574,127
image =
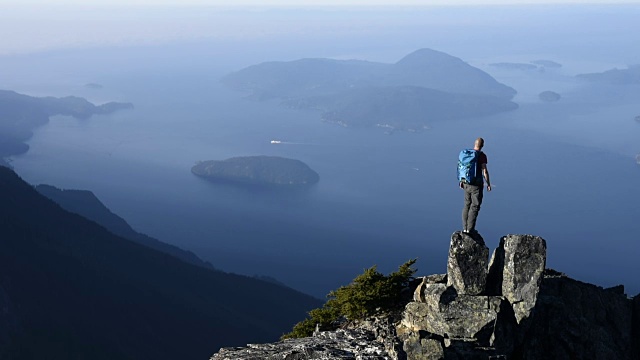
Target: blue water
x,y
565,171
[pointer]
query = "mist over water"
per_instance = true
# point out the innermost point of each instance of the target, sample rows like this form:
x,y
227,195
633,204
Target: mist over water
x,y
565,171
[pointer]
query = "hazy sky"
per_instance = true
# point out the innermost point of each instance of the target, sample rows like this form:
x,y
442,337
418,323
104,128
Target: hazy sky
x,y
28,26
312,2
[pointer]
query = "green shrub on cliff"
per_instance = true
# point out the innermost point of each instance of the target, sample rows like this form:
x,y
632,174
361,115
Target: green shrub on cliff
x,y
368,294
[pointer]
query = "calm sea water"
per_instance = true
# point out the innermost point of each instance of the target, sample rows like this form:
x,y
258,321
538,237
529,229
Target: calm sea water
x,y
565,171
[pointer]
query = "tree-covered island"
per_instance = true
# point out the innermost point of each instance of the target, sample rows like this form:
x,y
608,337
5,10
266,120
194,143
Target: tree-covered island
x,y
257,170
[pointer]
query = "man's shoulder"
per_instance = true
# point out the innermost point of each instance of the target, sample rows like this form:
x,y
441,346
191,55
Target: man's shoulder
x,y
482,157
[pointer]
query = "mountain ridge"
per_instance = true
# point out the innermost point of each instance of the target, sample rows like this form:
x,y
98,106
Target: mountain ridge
x,y
86,204
75,290
20,114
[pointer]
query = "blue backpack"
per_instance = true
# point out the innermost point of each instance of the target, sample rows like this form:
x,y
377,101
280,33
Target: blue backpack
x,y
467,166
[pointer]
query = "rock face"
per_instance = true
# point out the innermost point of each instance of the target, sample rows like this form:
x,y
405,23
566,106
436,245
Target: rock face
x,y
467,263
574,320
635,334
341,344
516,270
515,310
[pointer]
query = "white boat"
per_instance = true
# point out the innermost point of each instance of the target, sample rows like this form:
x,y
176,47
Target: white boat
x,y
276,142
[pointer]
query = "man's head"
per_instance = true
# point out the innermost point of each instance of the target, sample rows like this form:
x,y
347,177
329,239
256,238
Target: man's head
x,y
479,143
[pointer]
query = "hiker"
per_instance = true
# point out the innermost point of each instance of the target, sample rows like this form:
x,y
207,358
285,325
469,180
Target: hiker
x,y
472,168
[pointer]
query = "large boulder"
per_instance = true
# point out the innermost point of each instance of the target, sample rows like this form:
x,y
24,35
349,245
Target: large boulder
x,y
515,271
443,312
419,346
467,263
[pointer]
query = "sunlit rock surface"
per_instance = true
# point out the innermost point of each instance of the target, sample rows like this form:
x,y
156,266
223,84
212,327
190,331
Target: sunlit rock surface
x,y
467,263
516,271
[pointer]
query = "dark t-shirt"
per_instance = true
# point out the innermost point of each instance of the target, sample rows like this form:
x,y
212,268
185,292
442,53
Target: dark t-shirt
x,y
482,159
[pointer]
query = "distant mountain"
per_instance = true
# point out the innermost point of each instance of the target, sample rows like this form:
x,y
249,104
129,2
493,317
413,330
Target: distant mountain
x,y
328,85
19,114
86,204
631,75
69,289
425,68
258,170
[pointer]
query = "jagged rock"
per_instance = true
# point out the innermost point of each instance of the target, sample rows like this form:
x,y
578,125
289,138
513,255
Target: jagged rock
x,y
383,329
329,345
426,314
575,320
467,263
545,316
418,294
453,316
516,271
419,348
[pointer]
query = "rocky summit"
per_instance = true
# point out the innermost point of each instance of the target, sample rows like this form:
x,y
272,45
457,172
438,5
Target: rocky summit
x,y
506,307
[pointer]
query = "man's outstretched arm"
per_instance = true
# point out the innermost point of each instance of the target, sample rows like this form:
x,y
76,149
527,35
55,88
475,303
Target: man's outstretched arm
x,y
485,173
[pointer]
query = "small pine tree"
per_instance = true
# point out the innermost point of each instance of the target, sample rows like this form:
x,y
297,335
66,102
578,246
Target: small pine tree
x,y
368,294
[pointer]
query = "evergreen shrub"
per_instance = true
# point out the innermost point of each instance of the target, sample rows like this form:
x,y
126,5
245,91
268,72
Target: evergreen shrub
x,y
370,293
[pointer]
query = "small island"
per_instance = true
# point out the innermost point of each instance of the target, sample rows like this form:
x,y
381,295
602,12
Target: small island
x,y
547,63
257,170
638,118
514,66
549,96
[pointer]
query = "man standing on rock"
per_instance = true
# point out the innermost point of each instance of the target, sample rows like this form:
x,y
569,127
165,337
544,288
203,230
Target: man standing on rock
x,y
473,185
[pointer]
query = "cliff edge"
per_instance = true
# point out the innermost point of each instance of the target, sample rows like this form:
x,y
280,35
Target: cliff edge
x,y
508,306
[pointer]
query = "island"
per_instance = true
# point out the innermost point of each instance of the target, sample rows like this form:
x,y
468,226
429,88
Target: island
x,y
628,76
514,66
423,87
638,118
404,108
257,170
547,63
549,96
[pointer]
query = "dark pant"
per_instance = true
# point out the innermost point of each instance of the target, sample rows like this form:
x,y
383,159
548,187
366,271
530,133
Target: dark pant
x,y
472,202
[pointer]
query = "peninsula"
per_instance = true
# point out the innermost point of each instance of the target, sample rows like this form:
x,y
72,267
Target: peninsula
x,y
257,170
